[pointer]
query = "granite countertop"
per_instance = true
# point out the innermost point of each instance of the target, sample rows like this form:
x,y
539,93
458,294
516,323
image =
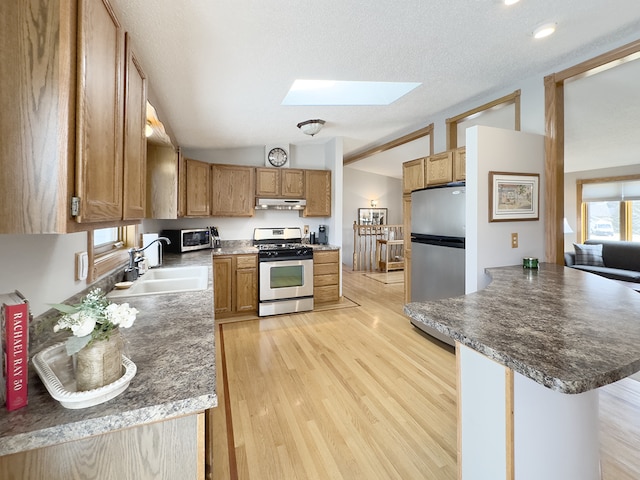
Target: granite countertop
x,y
568,330
172,343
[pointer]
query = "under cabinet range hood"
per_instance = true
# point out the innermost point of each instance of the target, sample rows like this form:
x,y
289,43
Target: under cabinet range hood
x,y
280,203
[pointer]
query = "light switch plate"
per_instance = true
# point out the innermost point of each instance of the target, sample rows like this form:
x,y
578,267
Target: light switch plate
x,y
514,240
82,265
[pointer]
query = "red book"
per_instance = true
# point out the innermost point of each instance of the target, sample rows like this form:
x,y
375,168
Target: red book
x,y
15,343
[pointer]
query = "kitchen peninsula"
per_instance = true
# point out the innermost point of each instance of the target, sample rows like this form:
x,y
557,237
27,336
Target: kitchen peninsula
x,y
532,349
155,428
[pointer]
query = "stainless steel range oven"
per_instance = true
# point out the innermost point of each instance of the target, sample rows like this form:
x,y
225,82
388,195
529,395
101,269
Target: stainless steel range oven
x,y
285,271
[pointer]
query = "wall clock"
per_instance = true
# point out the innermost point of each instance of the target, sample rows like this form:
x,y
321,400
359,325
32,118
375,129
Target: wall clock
x,y
276,157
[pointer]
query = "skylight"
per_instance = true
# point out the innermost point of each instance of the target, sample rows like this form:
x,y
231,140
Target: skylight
x,y
331,92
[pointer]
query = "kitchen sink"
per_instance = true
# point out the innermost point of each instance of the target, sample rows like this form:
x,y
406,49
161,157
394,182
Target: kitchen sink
x,y
166,280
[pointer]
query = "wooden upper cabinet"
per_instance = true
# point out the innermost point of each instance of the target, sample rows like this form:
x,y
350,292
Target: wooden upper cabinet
x,y
276,182
100,112
439,168
460,164
198,188
267,182
292,183
233,190
135,140
317,184
413,175
36,118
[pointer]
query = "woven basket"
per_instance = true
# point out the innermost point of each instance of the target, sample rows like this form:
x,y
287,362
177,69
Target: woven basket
x,y
99,363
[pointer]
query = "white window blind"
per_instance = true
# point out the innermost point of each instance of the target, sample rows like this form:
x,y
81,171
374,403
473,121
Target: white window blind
x,y
611,191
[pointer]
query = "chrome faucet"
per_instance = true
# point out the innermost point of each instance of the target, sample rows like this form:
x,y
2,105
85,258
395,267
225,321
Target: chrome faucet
x,y
132,271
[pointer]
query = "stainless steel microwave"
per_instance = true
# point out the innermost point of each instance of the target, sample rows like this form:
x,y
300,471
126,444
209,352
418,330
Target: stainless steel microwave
x,y
188,240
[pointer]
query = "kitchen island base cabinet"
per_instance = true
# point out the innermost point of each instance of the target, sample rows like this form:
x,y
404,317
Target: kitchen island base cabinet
x,y
167,450
512,427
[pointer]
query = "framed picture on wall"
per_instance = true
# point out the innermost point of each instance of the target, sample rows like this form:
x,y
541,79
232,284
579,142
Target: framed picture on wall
x,y
513,197
372,216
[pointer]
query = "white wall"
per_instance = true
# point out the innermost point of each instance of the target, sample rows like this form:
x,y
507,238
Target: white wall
x,y
358,191
41,267
489,243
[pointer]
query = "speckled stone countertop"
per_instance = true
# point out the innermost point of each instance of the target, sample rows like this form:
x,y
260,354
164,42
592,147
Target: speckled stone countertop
x,y
568,330
172,344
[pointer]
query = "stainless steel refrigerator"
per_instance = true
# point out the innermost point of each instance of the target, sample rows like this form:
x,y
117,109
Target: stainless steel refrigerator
x,y
437,246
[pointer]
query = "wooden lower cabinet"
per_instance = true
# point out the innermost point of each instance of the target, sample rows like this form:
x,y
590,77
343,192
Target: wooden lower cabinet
x,y
326,276
166,450
235,284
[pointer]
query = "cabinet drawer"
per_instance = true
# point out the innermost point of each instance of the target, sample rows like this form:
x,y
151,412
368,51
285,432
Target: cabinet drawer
x,y
330,293
326,269
246,261
324,280
327,256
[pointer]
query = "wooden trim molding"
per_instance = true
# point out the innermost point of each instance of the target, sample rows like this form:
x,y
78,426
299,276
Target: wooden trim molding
x,y
452,123
423,132
554,141
509,423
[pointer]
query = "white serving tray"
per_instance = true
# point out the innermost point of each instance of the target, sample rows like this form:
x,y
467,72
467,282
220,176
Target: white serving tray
x,y
55,368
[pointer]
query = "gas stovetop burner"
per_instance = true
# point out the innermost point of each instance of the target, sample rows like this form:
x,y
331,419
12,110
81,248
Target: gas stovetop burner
x,y
280,246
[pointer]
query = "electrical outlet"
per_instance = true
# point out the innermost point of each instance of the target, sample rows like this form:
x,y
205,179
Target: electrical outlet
x,y
514,240
306,229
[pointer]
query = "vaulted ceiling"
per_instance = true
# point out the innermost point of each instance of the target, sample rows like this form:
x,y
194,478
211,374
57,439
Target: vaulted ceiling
x,y
219,69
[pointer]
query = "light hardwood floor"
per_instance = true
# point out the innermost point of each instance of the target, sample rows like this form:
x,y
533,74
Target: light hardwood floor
x,y
358,393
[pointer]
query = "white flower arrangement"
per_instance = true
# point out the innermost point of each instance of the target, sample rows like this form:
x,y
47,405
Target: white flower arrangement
x,y
94,318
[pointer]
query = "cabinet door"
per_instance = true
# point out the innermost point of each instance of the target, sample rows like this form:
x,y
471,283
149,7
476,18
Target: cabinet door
x,y
317,184
197,177
100,105
413,175
135,141
222,284
439,168
460,164
292,183
233,190
267,182
246,290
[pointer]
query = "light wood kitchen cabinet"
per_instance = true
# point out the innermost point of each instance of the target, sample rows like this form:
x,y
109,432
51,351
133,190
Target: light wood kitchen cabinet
x,y
317,184
162,182
439,169
460,164
233,190
64,145
413,175
197,188
144,452
135,141
100,110
326,276
235,284
276,182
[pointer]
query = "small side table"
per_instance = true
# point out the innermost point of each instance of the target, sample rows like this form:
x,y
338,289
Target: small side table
x,y
386,246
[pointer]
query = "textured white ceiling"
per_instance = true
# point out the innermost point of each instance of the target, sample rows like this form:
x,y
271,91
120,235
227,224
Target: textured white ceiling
x,y
219,69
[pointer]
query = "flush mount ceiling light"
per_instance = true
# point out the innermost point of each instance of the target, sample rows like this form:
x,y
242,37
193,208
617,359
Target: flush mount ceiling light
x,y
510,2
544,30
311,127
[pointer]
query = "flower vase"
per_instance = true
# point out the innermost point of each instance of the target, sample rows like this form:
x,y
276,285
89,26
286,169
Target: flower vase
x,y
99,363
